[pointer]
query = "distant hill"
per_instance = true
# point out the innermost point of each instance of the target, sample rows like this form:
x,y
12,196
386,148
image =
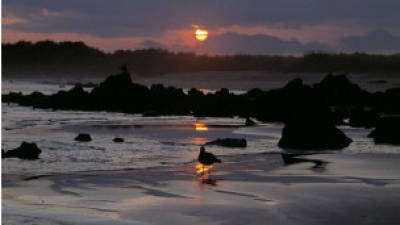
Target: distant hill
x,y
48,58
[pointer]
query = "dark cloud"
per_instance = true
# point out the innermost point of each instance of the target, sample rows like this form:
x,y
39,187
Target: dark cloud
x,y
378,40
231,43
119,18
151,19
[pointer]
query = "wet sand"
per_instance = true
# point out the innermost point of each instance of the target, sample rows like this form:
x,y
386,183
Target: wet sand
x,y
252,189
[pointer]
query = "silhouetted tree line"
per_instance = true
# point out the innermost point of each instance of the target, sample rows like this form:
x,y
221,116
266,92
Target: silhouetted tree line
x,y
76,58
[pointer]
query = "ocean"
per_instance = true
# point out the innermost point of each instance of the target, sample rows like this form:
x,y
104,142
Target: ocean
x,y
164,141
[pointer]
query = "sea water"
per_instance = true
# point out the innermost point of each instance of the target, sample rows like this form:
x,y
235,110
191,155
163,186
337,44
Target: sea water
x,y
148,141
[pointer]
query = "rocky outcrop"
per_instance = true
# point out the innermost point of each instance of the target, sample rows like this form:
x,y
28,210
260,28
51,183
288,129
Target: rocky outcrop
x,y
82,137
119,94
312,133
115,82
387,131
281,104
386,102
360,117
118,140
229,142
339,91
249,122
25,151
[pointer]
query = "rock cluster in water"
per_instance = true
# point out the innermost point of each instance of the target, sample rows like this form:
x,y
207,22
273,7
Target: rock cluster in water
x,y
335,97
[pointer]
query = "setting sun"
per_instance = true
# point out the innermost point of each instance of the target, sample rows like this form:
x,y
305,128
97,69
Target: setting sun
x,y
201,35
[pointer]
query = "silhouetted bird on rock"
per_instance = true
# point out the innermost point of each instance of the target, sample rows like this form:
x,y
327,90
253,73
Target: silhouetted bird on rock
x,y
207,158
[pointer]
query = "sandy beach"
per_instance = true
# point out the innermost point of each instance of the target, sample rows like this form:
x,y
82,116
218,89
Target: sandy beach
x,y
245,189
109,111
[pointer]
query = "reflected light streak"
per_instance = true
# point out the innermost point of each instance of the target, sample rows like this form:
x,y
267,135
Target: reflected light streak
x,y
200,168
198,141
200,127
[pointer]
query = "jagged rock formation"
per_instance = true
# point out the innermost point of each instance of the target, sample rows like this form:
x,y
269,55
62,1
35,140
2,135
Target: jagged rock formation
x,y
83,137
229,142
25,151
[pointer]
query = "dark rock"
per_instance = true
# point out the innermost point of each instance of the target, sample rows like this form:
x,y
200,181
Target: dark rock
x,y
25,151
118,140
363,118
76,98
150,113
249,122
387,131
229,142
117,81
338,90
312,133
83,137
118,94
387,102
281,104
168,100
77,91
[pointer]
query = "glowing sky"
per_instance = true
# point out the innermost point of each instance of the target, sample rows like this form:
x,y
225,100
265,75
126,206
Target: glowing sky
x,y
234,26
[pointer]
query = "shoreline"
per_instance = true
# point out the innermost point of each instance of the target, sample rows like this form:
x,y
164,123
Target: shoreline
x,y
251,189
189,167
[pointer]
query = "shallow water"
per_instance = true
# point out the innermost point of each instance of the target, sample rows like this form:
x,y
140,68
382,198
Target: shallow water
x,y
149,141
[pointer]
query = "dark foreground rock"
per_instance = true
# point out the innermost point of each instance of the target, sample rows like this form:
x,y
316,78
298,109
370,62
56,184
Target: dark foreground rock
x,y
229,142
337,90
312,133
249,122
387,131
118,140
83,137
360,117
25,151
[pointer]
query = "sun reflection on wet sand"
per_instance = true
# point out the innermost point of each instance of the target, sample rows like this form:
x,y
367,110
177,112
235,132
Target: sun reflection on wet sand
x,y
202,169
200,126
199,141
